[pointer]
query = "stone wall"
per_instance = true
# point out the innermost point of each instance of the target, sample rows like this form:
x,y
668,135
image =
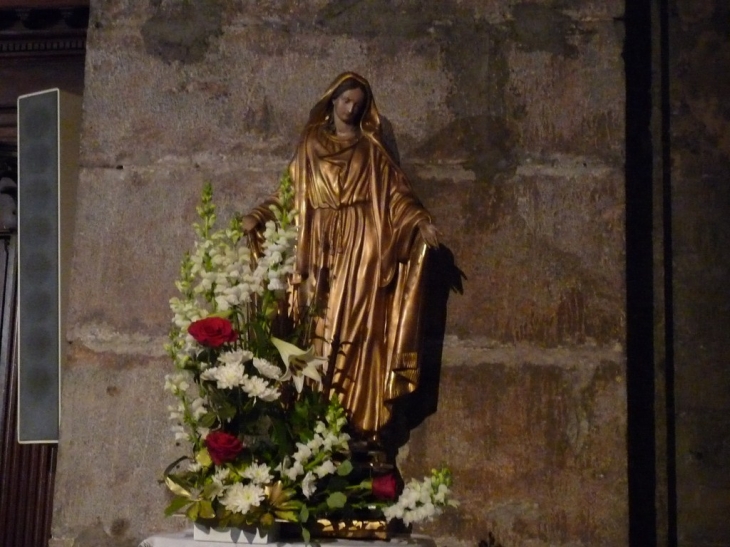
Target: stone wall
x,y
509,118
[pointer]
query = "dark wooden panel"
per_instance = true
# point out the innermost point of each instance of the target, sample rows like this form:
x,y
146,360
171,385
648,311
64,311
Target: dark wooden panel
x,y
27,471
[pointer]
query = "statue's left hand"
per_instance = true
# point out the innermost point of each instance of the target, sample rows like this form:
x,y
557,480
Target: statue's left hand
x,y
429,233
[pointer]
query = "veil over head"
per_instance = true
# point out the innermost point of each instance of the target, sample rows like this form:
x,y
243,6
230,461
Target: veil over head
x,y
370,119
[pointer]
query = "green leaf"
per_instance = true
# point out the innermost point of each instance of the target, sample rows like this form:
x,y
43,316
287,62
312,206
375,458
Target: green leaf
x,y
336,500
203,458
345,468
208,420
289,516
206,509
306,535
177,503
304,514
193,511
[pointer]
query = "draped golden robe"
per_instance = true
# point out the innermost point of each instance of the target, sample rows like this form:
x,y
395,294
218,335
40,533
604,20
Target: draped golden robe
x,y
361,261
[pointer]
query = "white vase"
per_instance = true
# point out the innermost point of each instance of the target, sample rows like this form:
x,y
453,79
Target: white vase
x,y
241,536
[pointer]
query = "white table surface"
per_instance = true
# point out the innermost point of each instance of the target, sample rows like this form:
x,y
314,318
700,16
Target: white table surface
x,y
185,539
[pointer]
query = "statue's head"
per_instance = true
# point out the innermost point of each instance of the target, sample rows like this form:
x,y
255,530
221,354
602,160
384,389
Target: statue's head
x,y
349,100
349,86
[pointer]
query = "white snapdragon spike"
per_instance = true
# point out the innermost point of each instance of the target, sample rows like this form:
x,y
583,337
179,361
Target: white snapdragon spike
x,y
198,408
240,498
421,501
294,471
258,473
176,411
180,433
327,467
309,486
303,453
315,443
176,383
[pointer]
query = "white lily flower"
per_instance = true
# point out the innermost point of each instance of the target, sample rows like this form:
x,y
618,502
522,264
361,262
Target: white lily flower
x,y
300,363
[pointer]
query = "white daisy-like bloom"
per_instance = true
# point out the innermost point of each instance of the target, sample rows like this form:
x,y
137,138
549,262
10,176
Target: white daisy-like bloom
x,y
258,473
194,467
257,387
308,484
239,498
221,474
267,369
325,468
227,376
219,477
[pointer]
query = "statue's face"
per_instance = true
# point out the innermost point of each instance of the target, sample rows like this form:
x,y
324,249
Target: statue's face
x,y
348,106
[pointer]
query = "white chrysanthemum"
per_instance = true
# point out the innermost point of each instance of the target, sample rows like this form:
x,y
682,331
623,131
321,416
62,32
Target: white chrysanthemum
x,y
227,376
194,467
239,498
235,357
267,369
221,474
257,387
259,473
308,485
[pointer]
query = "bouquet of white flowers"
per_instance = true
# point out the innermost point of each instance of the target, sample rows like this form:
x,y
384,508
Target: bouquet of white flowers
x,y
266,444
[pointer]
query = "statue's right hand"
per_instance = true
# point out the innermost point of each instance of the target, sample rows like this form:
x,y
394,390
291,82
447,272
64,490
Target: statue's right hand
x,y
249,223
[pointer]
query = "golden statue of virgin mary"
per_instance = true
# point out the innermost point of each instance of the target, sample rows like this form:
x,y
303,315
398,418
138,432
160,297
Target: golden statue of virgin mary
x,y
362,245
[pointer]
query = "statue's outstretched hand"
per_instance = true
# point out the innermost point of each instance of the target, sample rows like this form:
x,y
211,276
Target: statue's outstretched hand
x,y
429,233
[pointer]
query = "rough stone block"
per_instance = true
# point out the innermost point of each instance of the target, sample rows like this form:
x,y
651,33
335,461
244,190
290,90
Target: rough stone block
x,y
540,255
115,444
535,447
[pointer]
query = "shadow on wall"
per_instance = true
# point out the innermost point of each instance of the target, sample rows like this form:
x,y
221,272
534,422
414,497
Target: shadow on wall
x,y
490,541
443,278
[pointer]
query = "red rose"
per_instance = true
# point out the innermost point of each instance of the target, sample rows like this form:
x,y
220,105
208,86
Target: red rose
x,y
212,331
222,447
385,487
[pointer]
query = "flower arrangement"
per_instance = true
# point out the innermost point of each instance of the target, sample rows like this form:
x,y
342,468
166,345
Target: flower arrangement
x,y
266,445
